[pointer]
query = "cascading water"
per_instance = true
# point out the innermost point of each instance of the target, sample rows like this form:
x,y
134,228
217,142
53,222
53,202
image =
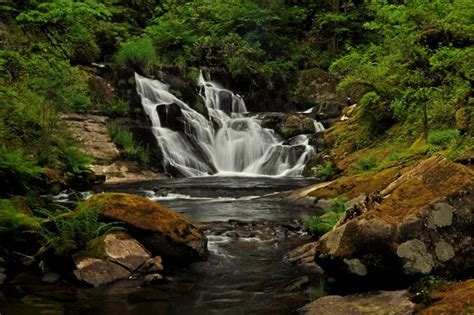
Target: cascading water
x,y
229,142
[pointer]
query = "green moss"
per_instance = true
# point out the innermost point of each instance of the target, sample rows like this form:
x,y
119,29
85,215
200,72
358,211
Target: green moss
x,y
320,225
288,132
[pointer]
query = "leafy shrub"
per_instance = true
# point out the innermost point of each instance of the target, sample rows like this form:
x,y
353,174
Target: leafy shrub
x,y
119,108
320,225
137,52
67,232
443,137
365,164
17,171
375,113
13,219
324,171
75,164
124,139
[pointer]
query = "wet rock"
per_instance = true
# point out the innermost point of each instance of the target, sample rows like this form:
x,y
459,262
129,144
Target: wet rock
x,y
154,278
152,265
298,284
295,124
232,234
162,231
51,277
417,225
96,272
381,302
171,117
304,256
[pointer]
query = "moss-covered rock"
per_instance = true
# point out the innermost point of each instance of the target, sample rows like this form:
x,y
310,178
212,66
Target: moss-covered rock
x,y
456,299
380,303
162,231
420,224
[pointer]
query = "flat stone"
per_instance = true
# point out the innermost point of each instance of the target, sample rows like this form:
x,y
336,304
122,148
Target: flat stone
x,y
378,303
126,251
98,272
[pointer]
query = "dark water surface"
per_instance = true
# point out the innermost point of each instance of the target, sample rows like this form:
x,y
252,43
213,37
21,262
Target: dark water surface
x,y
244,275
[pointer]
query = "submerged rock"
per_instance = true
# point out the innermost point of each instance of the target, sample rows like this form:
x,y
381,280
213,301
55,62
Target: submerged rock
x,y
420,224
382,302
162,231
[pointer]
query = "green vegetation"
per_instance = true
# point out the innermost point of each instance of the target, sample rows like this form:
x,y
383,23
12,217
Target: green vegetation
x,y
366,163
318,291
67,232
425,286
443,137
320,225
325,172
123,138
137,52
14,219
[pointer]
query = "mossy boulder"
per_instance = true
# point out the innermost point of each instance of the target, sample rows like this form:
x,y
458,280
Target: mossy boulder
x,y
162,231
295,124
420,224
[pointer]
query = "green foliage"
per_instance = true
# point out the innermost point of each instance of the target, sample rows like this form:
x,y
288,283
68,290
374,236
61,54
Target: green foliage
x,y
124,139
443,137
325,171
137,52
67,232
17,171
75,165
14,220
365,164
320,225
119,108
288,132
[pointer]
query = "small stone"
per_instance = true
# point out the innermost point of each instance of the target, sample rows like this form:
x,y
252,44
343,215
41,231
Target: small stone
x,y
3,263
154,278
232,234
3,277
356,267
51,277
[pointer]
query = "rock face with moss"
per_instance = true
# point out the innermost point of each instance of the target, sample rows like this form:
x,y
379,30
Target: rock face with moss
x,y
454,299
419,224
162,231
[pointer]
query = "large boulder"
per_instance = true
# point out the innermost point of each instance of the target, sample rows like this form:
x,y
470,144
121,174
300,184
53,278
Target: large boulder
x,y
162,231
381,302
420,224
295,124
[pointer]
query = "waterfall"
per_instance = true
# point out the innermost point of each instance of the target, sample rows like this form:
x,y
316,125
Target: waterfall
x,y
228,142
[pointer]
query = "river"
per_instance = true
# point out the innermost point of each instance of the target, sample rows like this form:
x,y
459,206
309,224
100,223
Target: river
x,y
248,236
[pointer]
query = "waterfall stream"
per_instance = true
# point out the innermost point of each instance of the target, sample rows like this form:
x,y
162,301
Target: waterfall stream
x,y
227,142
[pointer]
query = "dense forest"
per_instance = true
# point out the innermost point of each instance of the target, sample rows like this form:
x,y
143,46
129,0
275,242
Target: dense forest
x,y
408,65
